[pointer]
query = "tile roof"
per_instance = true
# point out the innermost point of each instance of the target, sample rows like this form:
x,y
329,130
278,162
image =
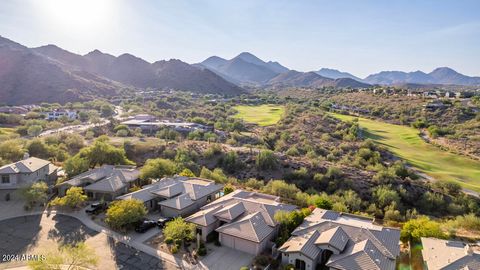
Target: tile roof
x,y
204,217
238,205
179,191
108,178
335,237
363,245
450,255
28,165
251,227
304,244
179,202
231,211
362,255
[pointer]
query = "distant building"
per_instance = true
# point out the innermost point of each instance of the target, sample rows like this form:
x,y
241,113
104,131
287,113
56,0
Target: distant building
x,y
177,196
13,110
447,254
55,115
430,94
106,182
414,93
243,220
150,124
435,105
340,241
25,172
449,94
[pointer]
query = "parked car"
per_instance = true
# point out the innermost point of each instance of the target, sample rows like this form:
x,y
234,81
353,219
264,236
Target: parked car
x,y
145,225
162,221
96,208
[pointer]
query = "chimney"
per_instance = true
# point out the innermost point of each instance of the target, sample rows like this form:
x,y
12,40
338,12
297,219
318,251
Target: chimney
x,y
26,155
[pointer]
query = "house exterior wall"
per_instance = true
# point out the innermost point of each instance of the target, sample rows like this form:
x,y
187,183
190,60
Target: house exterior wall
x,y
206,230
289,258
19,180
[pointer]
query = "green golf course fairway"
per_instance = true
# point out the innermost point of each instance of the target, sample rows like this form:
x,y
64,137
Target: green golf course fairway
x,y
405,142
263,115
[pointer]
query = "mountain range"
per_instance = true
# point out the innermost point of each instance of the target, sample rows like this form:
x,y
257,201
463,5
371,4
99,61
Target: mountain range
x,y
441,75
52,74
247,69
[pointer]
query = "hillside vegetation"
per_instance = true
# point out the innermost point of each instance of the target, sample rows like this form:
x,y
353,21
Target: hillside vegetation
x,y
404,142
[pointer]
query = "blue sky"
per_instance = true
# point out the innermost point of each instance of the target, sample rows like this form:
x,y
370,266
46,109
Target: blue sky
x,y
361,37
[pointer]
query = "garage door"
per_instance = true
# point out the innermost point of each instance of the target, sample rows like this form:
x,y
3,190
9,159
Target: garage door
x,y
227,241
239,244
245,246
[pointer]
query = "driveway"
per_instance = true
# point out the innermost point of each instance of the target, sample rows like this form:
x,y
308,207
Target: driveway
x,y
36,234
224,258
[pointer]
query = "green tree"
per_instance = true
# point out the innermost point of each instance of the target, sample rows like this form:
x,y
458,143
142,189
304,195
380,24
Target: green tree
x,y
179,230
107,110
187,172
76,165
157,168
38,148
288,221
34,130
101,152
11,150
385,195
281,188
414,229
73,198
83,116
35,193
266,160
228,189
230,162
125,212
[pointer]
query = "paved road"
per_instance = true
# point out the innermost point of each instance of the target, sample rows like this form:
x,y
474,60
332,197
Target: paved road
x,y
80,128
32,234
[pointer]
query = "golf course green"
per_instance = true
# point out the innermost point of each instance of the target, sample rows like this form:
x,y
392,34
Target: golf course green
x,y
262,115
405,142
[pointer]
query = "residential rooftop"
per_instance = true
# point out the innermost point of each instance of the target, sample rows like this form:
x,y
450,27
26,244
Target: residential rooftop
x,y
249,215
356,242
450,255
178,191
28,165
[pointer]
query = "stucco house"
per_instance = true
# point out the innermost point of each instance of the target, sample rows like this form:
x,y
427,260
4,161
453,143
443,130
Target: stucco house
x,y
341,241
106,182
450,255
177,195
243,220
25,172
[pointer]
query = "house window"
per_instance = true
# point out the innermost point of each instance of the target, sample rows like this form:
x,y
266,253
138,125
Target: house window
x,y
5,179
209,198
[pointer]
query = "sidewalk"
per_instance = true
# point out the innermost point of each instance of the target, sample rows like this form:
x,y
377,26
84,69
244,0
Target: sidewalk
x,y
12,210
